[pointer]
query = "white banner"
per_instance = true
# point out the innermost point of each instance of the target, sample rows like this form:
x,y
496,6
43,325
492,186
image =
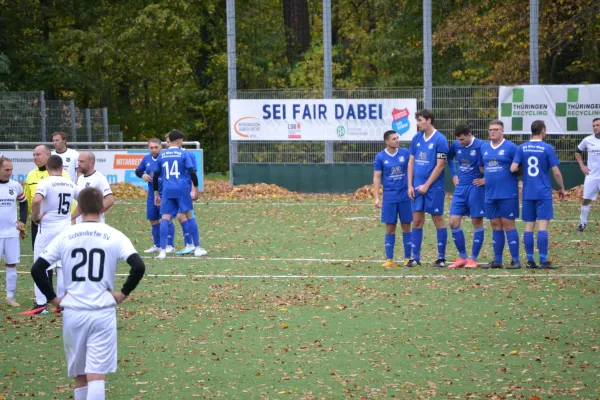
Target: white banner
x,y
117,165
566,109
317,119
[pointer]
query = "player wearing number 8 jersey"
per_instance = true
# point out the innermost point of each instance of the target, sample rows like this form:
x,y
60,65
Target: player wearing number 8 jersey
x,y
537,159
178,176
89,253
51,210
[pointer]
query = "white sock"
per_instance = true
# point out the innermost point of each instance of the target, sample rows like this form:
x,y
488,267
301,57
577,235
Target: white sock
x,y
81,393
60,286
11,281
95,390
40,299
585,210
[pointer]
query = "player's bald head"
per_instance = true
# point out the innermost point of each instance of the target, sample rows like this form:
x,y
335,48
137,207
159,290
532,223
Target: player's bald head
x,y
86,162
40,155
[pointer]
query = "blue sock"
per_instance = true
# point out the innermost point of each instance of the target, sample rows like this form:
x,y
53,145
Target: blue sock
x,y
442,239
528,243
498,244
164,232
478,236
407,244
416,240
193,230
459,240
156,235
390,242
513,244
171,237
187,238
542,242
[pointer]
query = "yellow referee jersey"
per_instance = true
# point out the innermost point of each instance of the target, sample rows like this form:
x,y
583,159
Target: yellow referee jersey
x,y
33,178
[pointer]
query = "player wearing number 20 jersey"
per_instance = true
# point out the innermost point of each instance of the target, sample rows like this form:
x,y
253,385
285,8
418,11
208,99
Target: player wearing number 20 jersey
x,y
89,253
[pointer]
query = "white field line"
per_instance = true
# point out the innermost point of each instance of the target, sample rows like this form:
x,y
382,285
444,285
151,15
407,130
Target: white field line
x,y
465,218
277,259
373,277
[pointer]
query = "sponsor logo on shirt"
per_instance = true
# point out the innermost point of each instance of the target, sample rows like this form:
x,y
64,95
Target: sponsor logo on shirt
x,y
501,152
493,163
422,156
401,159
473,152
430,146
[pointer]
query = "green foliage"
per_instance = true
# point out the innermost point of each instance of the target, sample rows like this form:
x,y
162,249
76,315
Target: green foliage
x,y
162,64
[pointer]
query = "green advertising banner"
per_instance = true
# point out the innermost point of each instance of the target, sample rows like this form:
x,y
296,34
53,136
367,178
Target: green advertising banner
x,y
566,109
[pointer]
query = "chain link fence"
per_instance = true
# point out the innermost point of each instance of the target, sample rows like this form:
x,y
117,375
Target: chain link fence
x,y
473,105
29,117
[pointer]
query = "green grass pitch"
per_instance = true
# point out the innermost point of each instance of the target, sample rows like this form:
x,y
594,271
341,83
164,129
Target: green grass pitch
x,y
291,302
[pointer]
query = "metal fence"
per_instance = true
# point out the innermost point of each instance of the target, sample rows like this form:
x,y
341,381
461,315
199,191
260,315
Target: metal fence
x,y
29,117
473,105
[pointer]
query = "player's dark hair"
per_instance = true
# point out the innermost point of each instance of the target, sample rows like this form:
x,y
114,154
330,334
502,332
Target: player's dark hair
x,y
3,160
62,135
537,127
595,119
155,140
426,114
387,134
175,135
54,163
462,129
90,201
497,122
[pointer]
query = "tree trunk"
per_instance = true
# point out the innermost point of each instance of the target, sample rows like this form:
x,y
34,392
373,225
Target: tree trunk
x,y
295,18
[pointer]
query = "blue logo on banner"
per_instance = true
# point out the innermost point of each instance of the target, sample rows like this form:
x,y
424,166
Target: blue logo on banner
x,y
132,178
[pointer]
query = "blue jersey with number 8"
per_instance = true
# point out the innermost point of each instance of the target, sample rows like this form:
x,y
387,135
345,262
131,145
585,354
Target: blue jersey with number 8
x,y
173,166
537,159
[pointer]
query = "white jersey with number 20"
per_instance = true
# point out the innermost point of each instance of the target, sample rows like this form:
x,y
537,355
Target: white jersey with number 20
x,y
89,253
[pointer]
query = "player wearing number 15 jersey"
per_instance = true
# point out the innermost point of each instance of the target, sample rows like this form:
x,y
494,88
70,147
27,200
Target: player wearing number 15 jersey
x,y
537,159
51,210
89,253
178,176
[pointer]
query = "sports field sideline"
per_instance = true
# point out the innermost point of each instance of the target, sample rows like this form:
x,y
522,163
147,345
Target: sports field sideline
x,y
291,302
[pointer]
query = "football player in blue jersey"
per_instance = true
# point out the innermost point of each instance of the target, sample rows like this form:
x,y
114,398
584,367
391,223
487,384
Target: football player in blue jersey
x,y
390,170
177,170
537,159
501,194
469,195
428,153
145,170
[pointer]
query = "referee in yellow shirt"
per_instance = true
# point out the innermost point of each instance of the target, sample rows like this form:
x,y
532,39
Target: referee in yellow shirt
x,y
40,157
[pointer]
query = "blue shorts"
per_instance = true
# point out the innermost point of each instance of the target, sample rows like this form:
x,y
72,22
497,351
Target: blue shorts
x,y
391,212
505,208
174,216
534,210
468,201
176,205
152,211
431,202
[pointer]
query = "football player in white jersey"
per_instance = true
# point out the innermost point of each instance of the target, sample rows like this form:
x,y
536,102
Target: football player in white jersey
x,y
69,156
11,229
92,178
51,210
89,253
591,185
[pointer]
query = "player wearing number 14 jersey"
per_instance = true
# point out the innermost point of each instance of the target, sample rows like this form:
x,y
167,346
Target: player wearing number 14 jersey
x,y
537,159
178,176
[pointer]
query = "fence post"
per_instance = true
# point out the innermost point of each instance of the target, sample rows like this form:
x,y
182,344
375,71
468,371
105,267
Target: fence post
x,y
73,122
88,124
120,136
327,75
43,115
105,123
427,68
231,80
534,52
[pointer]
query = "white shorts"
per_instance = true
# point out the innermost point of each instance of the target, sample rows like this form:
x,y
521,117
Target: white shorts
x,y
10,248
41,242
90,338
591,187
